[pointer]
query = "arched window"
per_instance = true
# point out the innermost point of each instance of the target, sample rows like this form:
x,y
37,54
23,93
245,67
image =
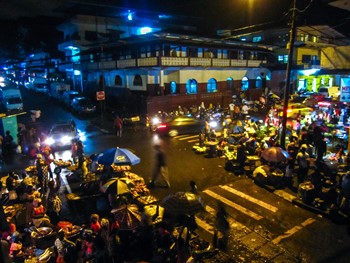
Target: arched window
x,y
118,81
191,86
245,83
173,87
212,85
258,82
173,53
137,80
229,83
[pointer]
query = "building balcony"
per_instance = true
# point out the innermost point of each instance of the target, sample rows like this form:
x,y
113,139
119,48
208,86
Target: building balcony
x,y
173,62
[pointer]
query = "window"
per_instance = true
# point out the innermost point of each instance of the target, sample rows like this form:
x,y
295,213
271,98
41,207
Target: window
x,y
229,83
257,39
306,58
191,86
258,82
301,84
245,83
173,87
118,81
137,80
173,53
212,85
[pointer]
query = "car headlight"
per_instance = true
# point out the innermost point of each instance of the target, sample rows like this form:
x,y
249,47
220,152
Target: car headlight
x,y
66,139
49,141
155,121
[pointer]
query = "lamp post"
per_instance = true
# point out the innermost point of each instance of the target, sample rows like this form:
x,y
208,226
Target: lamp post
x,y
288,76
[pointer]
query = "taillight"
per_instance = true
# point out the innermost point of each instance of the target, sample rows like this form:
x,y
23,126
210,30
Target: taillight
x,y
162,126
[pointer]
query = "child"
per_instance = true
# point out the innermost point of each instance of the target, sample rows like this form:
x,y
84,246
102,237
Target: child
x,y
95,223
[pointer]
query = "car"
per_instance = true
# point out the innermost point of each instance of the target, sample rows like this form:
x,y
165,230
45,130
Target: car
x,y
68,96
83,105
295,108
174,126
41,88
308,101
62,134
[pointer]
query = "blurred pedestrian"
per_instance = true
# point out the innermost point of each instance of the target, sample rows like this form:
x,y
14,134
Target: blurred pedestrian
x,y
8,147
54,203
303,163
222,228
160,167
80,154
48,156
118,126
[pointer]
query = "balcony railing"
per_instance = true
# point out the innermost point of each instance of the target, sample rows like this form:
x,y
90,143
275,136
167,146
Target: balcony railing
x,y
173,62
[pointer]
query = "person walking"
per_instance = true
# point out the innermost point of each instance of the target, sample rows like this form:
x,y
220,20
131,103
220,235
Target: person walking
x,y
160,167
118,126
303,163
80,153
8,147
222,228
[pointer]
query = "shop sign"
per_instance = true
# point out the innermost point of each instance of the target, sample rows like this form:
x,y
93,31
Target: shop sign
x,y
345,90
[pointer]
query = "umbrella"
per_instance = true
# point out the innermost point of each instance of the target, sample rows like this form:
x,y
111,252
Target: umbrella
x,y
274,154
117,156
183,203
127,216
116,186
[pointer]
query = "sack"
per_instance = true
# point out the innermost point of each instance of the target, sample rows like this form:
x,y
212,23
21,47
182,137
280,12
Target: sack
x,y
56,204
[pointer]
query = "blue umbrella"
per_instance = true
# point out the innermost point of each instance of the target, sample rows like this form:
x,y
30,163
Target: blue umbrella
x,y
117,156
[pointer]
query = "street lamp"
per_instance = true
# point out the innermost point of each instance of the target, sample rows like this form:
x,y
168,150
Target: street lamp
x,y
289,69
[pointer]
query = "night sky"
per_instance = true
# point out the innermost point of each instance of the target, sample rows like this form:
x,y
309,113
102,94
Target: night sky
x,y
31,23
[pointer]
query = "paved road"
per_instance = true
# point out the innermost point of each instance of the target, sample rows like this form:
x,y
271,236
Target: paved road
x,y
265,226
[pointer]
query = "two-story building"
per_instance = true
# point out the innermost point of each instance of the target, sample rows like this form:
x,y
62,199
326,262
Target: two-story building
x,y
148,67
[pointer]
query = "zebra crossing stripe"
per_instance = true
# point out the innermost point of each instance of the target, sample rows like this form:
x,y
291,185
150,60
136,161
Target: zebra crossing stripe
x,y
233,205
204,225
293,230
250,198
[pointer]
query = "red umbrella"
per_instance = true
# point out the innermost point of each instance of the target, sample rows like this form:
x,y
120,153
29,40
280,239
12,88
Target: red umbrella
x,y
274,154
128,217
183,203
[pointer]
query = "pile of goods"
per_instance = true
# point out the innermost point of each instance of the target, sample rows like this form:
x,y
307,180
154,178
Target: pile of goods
x,y
199,149
140,190
120,168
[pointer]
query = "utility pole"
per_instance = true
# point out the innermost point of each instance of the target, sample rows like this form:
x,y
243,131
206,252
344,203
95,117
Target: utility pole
x,y
288,75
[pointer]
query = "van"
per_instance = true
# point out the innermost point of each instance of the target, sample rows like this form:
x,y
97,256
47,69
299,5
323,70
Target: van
x,y
68,97
13,99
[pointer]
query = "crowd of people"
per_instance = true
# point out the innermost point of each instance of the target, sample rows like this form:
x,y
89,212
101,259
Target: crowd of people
x,y
32,202
101,238
315,152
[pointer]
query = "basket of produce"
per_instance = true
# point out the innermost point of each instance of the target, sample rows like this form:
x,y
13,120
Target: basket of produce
x,y
42,237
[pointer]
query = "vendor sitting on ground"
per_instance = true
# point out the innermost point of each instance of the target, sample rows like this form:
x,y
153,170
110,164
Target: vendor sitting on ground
x,y
39,217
